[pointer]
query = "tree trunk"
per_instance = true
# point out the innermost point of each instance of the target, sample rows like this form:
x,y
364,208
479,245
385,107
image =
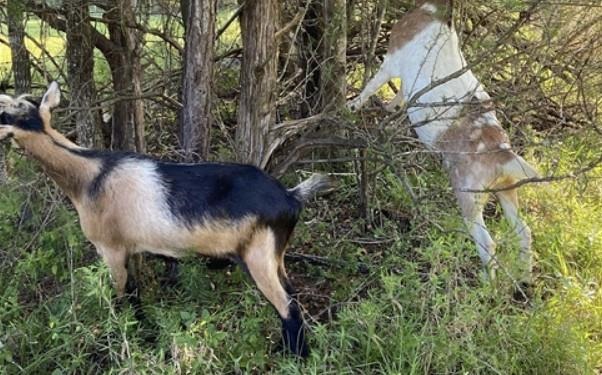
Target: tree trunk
x,y
80,68
19,62
195,118
20,56
126,72
333,79
309,52
258,22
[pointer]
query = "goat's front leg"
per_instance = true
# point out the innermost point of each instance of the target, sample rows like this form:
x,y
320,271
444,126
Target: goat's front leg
x,y
375,83
116,260
397,102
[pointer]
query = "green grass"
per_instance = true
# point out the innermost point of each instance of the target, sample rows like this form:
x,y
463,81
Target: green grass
x,y
398,299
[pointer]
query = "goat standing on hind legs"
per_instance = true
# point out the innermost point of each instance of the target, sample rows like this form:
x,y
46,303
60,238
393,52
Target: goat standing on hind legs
x,y
128,203
454,116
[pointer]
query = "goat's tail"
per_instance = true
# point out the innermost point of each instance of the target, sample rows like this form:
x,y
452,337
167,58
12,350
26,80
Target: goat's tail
x,y
519,169
314,184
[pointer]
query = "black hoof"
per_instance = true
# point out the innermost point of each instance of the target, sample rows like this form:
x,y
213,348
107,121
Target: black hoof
x,y
282,348
523,292
131,300
293,333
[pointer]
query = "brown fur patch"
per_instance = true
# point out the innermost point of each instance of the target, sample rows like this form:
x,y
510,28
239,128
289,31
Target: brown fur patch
x,y
71,172
414,21
474,150
473,135
408,27
260,259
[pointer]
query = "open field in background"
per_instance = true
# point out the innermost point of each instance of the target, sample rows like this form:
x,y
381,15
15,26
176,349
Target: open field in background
x,y
49,44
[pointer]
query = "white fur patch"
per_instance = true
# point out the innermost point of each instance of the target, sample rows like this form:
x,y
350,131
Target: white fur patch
x,y
429,8
15,106
505,146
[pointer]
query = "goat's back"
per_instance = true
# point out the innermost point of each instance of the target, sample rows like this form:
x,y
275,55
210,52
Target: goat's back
x,y
164,208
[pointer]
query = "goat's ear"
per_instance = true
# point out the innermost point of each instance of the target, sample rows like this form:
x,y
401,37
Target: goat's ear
x,y
51,98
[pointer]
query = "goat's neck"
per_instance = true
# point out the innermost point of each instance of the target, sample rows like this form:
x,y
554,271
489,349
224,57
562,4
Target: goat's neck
x,y
60,160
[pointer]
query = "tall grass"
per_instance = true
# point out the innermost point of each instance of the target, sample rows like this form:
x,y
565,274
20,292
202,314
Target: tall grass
x,y
398,299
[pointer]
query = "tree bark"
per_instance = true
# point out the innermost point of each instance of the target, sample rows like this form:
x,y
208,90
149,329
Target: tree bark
x,y
126,70
333,79
258,22
16,36
19,61
309,42
80,68
195,117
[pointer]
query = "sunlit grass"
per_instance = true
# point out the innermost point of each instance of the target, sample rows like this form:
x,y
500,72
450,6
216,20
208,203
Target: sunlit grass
x,y
420,307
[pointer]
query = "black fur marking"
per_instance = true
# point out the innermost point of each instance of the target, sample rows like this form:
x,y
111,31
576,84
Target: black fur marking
x,y
108,165
293,332
109,161
6,119
283,228
32,100
213,190
30,121
227,191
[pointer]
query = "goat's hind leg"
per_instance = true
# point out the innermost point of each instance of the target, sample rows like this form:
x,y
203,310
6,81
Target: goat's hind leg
x,y
509,202
170,277
262,262
472,205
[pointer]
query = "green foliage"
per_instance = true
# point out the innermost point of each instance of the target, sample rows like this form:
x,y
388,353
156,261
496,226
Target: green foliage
x,y
402,302
400,293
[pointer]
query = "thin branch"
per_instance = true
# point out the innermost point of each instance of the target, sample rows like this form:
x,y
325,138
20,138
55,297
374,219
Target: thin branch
x,y
531,180
235,15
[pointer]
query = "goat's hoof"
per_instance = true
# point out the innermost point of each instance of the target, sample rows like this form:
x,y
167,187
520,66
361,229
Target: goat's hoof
x,y
285,350
131,300
169,282
352,106
523,292
392,108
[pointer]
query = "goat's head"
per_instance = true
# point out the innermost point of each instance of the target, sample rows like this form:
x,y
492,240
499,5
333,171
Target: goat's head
x,y
441,8
23,115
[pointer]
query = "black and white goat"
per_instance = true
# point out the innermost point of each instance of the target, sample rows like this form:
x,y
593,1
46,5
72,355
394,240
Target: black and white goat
x,y
453,115
129,203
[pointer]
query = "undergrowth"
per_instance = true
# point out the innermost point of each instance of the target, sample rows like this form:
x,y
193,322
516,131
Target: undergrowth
x,y
398,294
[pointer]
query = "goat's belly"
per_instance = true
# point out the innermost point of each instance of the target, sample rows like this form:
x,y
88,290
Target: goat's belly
x,y
212,238
441,106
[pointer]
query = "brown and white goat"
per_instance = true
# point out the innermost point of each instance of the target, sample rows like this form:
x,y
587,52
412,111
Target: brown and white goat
x,y
129,203
453,116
